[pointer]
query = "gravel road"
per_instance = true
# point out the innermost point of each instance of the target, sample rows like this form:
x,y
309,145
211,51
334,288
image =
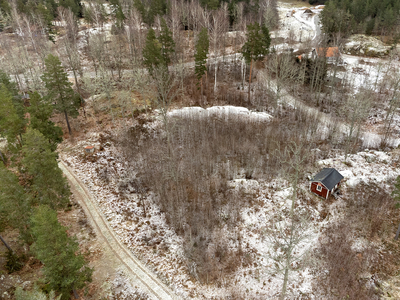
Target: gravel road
x,y
123,258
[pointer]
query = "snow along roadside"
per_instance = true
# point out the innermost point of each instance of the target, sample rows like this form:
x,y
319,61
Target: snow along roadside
x,y
134,269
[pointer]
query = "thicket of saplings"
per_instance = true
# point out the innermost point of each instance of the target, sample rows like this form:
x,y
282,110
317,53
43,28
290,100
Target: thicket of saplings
x,y
355,271
189,165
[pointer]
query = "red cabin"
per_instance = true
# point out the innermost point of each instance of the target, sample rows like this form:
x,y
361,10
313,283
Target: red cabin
x,y
326,182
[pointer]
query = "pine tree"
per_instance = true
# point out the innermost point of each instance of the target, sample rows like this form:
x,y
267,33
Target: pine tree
x,y
16,98
118,13
200,57
6,80
40,112
48,184
35,294
167,42
152,55
257,45
11,125
65,268
60,89
74,5
14,204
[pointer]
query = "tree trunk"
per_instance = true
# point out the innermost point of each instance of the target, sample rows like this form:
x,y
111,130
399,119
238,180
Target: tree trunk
x,y
79,91
251,66
215,79
66,119
285,281
397,233
2,158
5,244
144,207
207,87
201,91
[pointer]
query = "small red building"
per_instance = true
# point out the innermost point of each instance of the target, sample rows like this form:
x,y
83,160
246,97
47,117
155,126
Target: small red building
x,y
325,182
89,149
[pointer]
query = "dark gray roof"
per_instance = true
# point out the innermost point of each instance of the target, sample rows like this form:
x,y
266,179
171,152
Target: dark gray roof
x,y
328,177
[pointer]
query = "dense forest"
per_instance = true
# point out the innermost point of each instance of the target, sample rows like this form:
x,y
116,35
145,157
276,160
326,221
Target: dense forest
x,y
361,16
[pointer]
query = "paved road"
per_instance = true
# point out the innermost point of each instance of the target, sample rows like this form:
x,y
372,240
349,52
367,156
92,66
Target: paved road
x,y
125,260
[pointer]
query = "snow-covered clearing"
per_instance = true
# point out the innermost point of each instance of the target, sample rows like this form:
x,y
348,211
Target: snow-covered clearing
x,y
296,23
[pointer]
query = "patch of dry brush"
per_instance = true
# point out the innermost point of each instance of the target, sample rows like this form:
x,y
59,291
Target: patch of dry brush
x,y
189,167
358,251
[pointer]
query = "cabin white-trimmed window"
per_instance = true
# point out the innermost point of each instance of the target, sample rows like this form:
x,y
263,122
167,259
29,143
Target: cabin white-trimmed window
x,y
319,188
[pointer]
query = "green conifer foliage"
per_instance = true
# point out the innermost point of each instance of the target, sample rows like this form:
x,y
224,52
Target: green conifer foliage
x,y
167,42
118,13
65,268
152,55
257,43
200,56
40,112
35,294
48,184
14,204
17,102
6,80
60,89
11,125
74,5
360,16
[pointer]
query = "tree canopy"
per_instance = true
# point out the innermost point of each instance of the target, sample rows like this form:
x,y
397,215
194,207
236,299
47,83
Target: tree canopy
x,y
360,16
14,203
47,183
167,42
11,123
257,42
59,89
65,268
152,55
40,112
200,56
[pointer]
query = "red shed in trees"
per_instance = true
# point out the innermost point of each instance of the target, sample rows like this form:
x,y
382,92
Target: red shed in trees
x,y
325,182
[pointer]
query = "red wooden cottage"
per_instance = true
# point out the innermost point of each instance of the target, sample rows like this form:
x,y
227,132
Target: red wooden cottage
x,y
325,182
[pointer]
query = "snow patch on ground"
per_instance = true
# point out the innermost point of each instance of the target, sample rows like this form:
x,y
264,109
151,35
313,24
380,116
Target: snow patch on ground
x,y
123,290
223,112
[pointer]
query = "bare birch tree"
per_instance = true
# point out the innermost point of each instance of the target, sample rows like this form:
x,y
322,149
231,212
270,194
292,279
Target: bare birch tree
x,y
355,109
218,28
288,256
70,43
134,35
283,67
393,105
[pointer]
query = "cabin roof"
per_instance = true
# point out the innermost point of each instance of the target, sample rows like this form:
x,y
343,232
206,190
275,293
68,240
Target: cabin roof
x,y
328,52
328,177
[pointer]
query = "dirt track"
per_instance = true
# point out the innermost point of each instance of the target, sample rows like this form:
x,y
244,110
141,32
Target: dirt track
x,y
122,257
